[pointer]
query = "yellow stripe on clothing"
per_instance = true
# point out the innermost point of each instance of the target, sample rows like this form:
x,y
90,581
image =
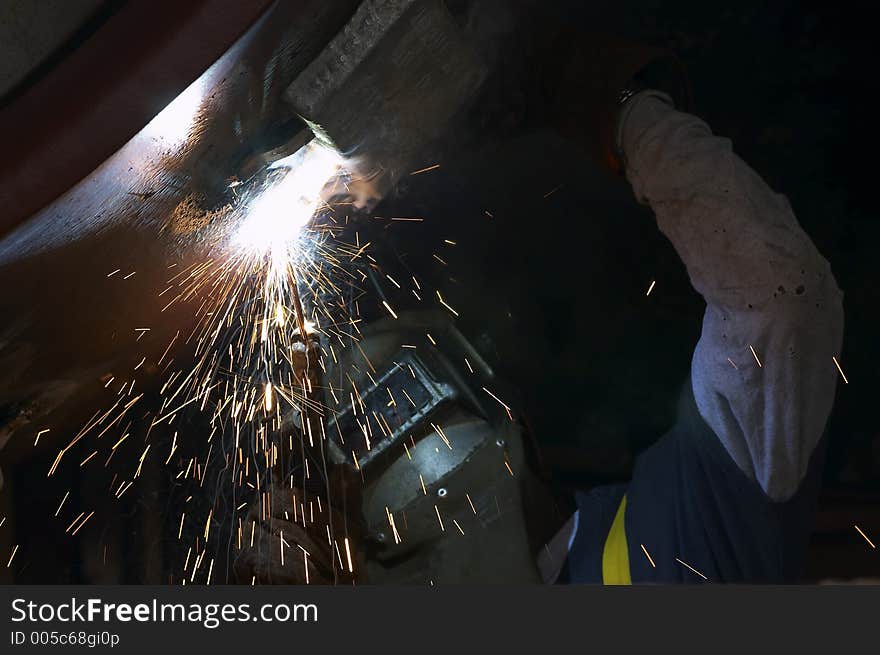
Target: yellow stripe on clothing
x,y
615,556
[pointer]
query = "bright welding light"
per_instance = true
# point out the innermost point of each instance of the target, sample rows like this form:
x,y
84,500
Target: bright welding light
x,y
276,217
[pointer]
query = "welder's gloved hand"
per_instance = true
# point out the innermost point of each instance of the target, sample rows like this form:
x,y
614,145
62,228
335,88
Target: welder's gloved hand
x,y
308,556
590,75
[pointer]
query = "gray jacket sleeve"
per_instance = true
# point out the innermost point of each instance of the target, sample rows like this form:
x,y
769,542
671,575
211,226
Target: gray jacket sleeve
x,y
762,372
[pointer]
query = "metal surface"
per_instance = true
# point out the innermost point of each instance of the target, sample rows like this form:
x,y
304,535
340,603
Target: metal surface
x,y
475,532
432,461
68,323
388,85
67,123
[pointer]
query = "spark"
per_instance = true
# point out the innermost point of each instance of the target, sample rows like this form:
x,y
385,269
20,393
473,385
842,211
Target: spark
x,y
61,504
500,402
348,556
391,523
443,302
648,555
82,524
651,288
14,550
425,170
760,365
836,363
870,543
74,522
691,568
552,191
442,435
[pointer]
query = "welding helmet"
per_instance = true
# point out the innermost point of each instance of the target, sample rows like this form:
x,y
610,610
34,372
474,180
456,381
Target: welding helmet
x,y
442,455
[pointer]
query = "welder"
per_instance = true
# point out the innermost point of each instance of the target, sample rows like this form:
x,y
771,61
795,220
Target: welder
x,y
726,495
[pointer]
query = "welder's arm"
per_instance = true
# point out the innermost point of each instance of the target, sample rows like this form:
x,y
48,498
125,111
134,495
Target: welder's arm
x,y
762,373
